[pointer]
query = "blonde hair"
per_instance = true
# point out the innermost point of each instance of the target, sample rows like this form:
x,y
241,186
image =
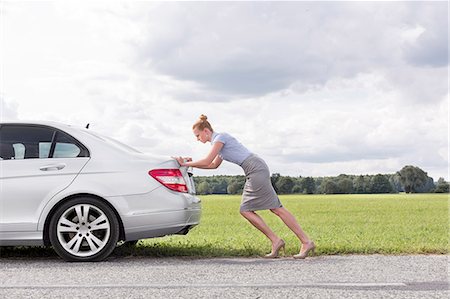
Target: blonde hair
x,y
202,123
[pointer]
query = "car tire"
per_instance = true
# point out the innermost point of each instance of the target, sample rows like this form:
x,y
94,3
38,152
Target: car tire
x,y
84,229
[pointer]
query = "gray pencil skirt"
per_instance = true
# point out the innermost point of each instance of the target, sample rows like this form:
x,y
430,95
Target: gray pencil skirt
x,y
258,191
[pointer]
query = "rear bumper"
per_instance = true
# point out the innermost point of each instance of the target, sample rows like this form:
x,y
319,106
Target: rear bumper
x,y
160,224
159,213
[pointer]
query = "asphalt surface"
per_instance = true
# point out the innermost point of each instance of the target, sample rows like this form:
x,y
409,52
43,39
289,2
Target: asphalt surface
x,y
357,276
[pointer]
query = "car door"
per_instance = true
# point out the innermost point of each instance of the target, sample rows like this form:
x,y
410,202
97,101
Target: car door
x,y
36,163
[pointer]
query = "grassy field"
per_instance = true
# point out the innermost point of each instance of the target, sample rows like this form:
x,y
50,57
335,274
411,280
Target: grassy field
x,y
339,224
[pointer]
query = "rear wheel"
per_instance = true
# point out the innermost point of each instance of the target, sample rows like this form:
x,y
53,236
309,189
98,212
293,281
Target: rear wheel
x,y
84,229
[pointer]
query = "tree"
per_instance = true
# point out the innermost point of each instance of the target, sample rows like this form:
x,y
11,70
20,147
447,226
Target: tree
x,y
345,185
427,187
297,189
359,185
319,184
203,188
442,186
412,178
274,179
285,185
380,184
394,179
329,187
234,187
308,185
220,187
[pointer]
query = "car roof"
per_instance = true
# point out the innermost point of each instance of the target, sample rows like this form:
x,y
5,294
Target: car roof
x,y
55,124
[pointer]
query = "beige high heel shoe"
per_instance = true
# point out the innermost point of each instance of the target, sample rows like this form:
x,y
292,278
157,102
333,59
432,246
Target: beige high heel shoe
x,y
309,247
276,250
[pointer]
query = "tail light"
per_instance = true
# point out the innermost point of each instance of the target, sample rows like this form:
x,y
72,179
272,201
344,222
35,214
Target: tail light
x,y
171,178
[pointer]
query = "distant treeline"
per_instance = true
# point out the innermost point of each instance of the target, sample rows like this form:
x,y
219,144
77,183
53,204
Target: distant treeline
x,y
410,179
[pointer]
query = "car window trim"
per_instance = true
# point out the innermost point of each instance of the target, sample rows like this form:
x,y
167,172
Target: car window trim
x,y
53,144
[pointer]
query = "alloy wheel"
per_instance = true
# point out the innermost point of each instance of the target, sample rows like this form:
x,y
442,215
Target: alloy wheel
x,y
83,230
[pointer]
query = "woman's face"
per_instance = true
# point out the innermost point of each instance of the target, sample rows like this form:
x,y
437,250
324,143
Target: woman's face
x,y
202,135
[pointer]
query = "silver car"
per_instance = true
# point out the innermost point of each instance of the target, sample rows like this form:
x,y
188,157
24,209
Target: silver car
x,y
83,192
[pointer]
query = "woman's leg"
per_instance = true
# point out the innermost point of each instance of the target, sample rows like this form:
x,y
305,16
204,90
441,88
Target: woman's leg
x,y
259,223
292,223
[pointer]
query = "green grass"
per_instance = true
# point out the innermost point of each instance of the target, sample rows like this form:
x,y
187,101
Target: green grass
x,y
339,224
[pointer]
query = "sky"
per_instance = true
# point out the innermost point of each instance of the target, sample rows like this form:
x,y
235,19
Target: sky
x,y
315,88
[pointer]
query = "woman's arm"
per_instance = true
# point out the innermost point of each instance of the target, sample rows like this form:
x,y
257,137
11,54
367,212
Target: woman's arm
x,y
212,160
214,164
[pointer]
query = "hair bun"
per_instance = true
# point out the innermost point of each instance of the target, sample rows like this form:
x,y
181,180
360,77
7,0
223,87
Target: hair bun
x,y
202,123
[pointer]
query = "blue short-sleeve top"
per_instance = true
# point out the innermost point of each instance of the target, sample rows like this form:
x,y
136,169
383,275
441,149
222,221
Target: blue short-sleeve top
x,y
232,151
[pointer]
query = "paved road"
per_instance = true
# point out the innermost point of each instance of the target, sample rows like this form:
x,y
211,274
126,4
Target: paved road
x,y
373,276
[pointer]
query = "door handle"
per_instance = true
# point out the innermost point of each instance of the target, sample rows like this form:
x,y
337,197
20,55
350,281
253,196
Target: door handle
x,y
52,167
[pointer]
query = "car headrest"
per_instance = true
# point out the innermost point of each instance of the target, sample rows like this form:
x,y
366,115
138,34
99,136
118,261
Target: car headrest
x,y
6,151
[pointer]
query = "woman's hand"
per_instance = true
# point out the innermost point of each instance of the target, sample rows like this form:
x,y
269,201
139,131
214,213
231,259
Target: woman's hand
x,y
182,160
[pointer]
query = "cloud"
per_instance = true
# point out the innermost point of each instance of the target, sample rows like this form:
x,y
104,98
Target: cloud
x,y
251,49
8,110
430,46
348,121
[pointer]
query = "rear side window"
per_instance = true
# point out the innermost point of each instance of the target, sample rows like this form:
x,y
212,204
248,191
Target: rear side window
x,y
65,147
21,142
33,142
